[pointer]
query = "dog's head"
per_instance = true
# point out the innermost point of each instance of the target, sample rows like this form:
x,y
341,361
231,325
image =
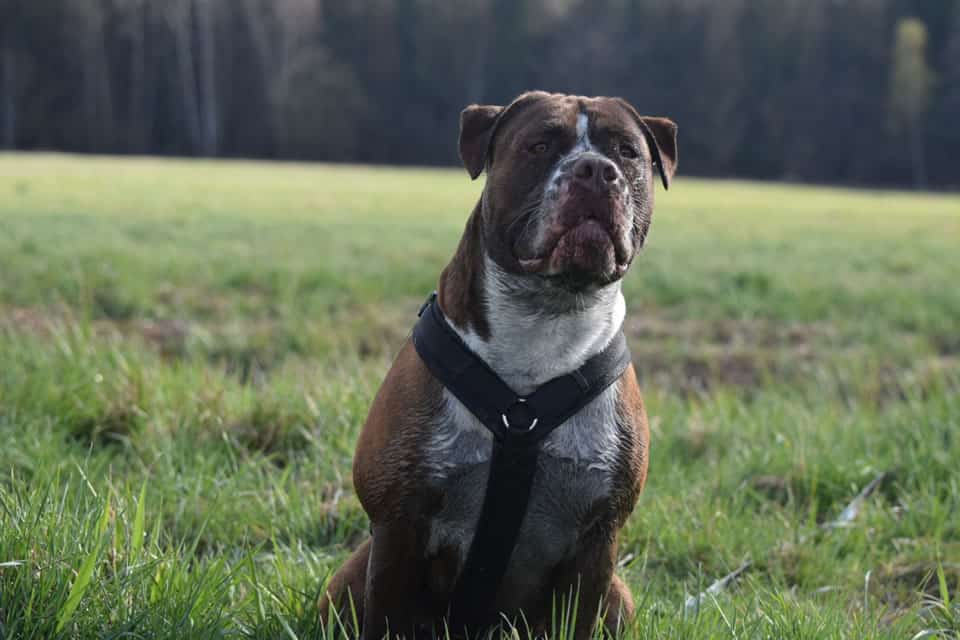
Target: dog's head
x,y
570,182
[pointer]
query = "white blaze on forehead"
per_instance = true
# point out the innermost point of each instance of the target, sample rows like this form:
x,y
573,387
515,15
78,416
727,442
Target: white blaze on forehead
x,y
583,134
582,145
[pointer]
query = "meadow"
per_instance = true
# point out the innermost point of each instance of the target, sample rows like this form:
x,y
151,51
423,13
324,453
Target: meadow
x,y
188,350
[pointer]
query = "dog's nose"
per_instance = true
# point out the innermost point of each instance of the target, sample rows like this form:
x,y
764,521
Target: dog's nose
x,y
596,173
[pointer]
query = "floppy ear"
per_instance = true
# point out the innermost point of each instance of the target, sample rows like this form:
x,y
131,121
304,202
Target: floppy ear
x,y
661,135
476,127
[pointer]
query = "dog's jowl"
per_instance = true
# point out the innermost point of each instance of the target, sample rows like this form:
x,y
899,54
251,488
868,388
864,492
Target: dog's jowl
x,y
508,443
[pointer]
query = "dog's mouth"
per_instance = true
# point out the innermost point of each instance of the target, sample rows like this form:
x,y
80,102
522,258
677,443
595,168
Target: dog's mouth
x,y
588,247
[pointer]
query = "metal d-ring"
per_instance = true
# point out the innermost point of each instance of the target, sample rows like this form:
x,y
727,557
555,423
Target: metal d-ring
x,y
506,421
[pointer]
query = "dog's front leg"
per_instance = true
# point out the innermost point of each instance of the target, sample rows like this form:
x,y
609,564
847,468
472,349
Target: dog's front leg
x,y
392,598
589,577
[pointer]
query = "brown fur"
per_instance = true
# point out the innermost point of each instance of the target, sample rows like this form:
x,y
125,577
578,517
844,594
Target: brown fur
x,y
512,177
461,283
393,583
410,590
389,481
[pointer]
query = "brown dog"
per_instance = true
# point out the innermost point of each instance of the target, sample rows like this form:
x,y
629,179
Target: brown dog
x,y
534,290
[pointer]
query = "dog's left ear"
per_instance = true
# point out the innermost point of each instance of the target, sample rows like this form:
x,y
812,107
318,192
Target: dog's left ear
x,y
476,126
661,134
661,137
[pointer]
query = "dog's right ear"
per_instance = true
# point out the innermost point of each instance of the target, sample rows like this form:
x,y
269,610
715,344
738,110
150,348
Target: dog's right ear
x,y
476,128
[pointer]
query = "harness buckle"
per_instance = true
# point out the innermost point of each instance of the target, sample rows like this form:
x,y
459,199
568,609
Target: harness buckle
x,y
429,301
519,413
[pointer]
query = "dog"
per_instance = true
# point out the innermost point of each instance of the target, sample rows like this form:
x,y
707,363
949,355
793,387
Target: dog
x,y
534,292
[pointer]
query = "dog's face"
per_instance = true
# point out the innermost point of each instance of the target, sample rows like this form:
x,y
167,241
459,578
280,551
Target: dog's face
x,y
570,182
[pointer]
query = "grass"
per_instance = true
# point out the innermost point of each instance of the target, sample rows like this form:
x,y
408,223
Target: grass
x,y
188,351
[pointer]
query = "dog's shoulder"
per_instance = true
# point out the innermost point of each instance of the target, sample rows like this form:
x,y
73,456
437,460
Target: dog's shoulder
x,y
633,445
388,465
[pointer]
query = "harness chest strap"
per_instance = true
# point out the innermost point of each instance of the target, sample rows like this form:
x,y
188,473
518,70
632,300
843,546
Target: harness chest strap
x,y
518,424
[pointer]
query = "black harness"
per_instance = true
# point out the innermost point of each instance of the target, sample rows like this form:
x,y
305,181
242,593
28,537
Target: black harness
x,y
519,424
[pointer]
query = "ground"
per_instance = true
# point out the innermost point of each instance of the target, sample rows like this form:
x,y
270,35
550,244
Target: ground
x,y
188,350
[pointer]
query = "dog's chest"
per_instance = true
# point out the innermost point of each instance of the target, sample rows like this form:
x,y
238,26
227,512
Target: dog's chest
x,y
574,477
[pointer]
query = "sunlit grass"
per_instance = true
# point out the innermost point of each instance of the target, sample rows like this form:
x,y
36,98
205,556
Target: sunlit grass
x,y
188,350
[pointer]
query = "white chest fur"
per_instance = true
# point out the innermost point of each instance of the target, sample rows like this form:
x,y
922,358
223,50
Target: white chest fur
x,y
589,438
577,460
530,345
528,348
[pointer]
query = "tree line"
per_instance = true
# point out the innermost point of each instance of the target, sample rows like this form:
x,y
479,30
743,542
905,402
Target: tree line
x,y
836,91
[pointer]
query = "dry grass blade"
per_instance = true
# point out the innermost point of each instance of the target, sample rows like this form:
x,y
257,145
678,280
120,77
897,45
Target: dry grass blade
x,y
852,510
692,604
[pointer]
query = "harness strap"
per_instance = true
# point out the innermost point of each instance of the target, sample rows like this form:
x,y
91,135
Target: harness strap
x,y
518,424
509,485
524,420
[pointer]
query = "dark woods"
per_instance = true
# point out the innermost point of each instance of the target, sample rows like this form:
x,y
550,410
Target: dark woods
x,y
848,91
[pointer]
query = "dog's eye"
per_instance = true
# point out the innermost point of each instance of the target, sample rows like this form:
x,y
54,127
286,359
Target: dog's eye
x,y
627,151
539,149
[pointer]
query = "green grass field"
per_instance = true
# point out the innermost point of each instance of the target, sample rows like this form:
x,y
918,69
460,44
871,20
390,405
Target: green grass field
x,y
188,350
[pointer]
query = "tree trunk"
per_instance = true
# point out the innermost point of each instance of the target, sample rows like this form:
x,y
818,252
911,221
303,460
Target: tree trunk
x,y
918,160
148,116
183,35
209,113
8,69
476,89
104,93
98,94
136,120
272,77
